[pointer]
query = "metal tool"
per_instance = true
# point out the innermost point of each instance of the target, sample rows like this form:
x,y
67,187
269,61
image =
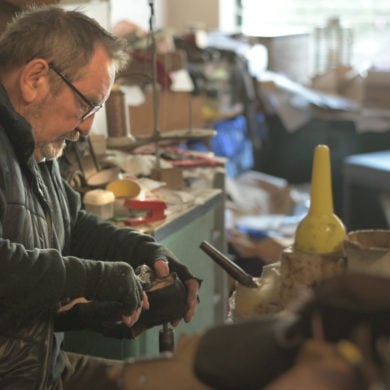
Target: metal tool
x,y
236,272
166,339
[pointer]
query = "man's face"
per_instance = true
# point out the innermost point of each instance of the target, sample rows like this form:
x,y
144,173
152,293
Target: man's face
x,y
57,118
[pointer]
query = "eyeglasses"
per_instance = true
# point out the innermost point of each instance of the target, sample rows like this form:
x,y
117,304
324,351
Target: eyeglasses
x,y
92,107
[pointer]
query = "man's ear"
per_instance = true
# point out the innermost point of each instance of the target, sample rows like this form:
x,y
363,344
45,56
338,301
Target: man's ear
x,y
34,80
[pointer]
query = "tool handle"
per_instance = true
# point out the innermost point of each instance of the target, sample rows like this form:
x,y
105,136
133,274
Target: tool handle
x,y
166,339
236,272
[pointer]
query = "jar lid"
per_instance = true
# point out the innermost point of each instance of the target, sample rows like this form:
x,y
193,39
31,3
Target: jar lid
x,y
99,197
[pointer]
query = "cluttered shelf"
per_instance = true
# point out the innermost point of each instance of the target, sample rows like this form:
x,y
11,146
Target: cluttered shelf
x,y
179,216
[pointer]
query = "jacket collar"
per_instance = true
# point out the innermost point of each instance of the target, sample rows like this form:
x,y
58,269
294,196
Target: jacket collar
x,y
18,130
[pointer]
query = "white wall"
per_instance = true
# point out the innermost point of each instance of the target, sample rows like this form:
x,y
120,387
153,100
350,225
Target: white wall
x,y
99,10
227,15
137,11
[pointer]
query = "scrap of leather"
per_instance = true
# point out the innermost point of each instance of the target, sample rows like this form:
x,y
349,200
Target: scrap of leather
x,y
168,371
71,304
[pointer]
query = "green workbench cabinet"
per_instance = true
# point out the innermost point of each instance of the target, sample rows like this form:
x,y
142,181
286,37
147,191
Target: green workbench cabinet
x,y
183,236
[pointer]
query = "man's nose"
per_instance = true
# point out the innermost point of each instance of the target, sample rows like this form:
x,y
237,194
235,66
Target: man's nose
x,y
85,127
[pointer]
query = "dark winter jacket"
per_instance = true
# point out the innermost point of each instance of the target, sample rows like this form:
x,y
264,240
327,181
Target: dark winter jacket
x,y
48,252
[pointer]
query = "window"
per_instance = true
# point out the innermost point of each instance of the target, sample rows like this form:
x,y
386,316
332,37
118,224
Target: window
x,y
369,21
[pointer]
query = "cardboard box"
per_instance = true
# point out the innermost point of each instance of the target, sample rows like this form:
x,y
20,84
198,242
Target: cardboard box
x,y
177,111
288,52
174,60
377,88
278,190
344,81
139,70
267,249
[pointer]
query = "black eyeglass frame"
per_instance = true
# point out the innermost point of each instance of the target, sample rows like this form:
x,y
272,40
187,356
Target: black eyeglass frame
x,y
92,107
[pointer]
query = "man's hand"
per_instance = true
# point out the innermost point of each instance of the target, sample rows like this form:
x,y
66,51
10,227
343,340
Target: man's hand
x,y
130,320
192,298
161,268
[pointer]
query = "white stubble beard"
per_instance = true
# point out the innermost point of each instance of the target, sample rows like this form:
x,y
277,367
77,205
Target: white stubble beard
x,y
55,149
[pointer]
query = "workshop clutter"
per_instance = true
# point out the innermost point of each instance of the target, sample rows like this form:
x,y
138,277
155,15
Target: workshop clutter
x,y
368,251
165,71
343,321
368,86
315,254
178,111
134,205
100,178
232,141
334,42
139,69
283,281
118,128
376,87
321,250
100,202
123,189
126,201
261,215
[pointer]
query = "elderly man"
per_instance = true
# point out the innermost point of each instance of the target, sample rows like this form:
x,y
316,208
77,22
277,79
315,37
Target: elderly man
x,y
56,70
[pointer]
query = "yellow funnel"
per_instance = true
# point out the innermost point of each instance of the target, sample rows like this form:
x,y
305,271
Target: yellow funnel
x,y
320,231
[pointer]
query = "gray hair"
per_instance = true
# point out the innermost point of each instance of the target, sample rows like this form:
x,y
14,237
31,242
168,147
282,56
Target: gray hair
x,y
66,38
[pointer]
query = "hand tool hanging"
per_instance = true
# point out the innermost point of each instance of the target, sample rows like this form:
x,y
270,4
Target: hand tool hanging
x,y
156,106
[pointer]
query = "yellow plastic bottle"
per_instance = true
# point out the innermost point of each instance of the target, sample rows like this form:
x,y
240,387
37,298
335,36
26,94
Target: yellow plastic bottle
x,y
320,231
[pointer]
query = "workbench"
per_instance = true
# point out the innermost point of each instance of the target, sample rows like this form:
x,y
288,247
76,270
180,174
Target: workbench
x,y
182,232
368,170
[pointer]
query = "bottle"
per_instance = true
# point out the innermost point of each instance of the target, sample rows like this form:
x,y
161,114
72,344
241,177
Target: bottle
x,y
333,45
320,231
117,117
